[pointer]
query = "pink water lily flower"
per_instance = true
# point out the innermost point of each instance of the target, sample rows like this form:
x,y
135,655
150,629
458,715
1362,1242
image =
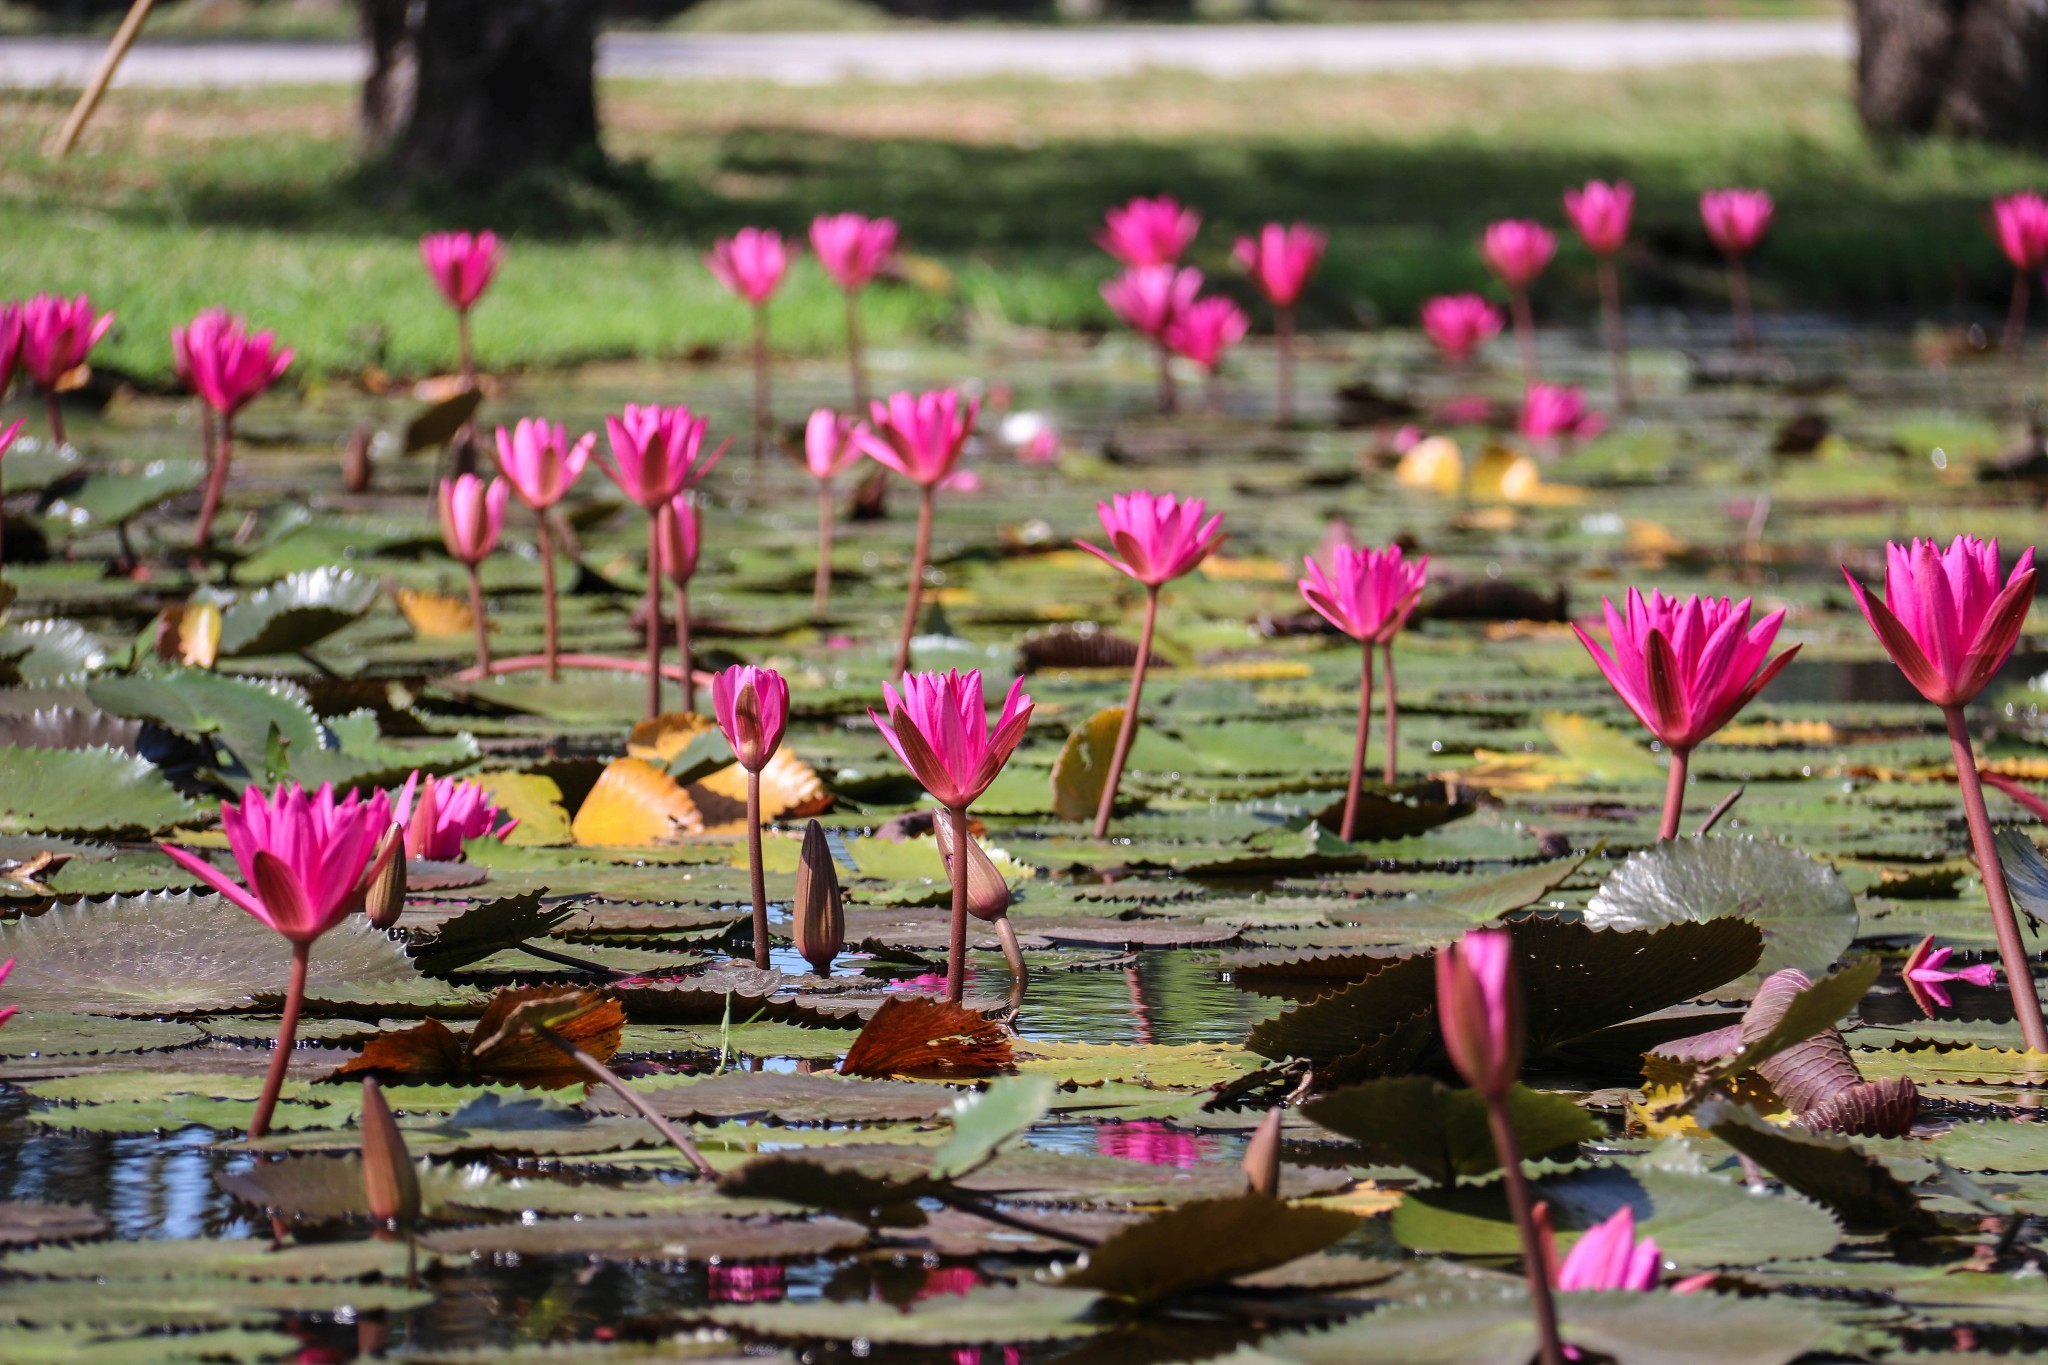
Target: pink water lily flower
x,y
1148,298
753,708
1157,536
1685,667
225,363
657,452
1946,619
57,335
1553,412
681,540
1207,328
851,247
921,436
1147,232
1281,258
1608,1258
832,443
2020,223
1517,250
938,726
1369,594
1736,219
1927,968
462,264
439,813
539,461
751,263
1479,1009
472,516
1460,323
1600,213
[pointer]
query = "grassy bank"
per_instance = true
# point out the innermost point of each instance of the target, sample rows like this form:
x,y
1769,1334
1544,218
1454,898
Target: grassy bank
x,y
254,199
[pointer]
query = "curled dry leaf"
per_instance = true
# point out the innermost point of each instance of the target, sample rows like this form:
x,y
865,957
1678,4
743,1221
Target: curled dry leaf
x,y
634,805
502,1047
931,1039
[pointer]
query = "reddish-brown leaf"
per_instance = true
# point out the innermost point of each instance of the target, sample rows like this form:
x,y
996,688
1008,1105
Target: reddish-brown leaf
x,y
928,1039
432,1053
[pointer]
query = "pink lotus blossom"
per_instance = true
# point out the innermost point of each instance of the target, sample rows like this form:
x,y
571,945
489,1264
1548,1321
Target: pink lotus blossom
x,y
439,813
1148,232
1157,536
1945,619
1148,298
753,707
1479,1009
1553,412
2020,222
57,335
680,539
1599,212
831,444
225,363
1368,594
1927,968
462,265
751,263
1686,667
852,248
921,436
1459,324
540,463
1736,219
1516,250
1607,1257
472,516
657,452
938,725
1281,258
1206,329
304,857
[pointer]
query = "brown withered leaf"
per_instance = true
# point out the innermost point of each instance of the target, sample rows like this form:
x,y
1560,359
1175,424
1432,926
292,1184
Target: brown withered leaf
x,y
928,1039
1808,1074
500,1048
1079,645
1885,1108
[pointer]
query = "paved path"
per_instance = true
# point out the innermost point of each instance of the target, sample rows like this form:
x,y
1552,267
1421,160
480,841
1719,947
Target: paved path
x,y
944,54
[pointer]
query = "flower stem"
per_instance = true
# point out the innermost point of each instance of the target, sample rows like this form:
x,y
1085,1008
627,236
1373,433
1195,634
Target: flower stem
x,y
216,482
2016,322
1358,750
287,1035
551,637
1738,295
56,411
465,353
684,648
2019,968
1550,1351
1012,952
1283,345
1617,338
653,613
482,620
605,1076
915,597
760,384
956,955
1525,333
1127,731
1393,710
756,873
1169,397
853,352
1674,794
821,586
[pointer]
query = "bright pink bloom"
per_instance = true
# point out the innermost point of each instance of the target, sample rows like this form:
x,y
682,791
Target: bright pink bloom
x,y
1926,969
831,444
1041,446
1459,323
753,707
1151,1142
1686,667
1368,594
751,263
305,857
223,362
1479,1009
472,516
2020,222
1945,620
462,264
538,461
679,539
1157,536
938,725
1607,1257
1206,329
1558,411
1149,297
1281,258
852,248
57,335
1599,212
1516,250
448,811
1148,231
746,1282
8,434
921,435
1736,219
10,342
657,452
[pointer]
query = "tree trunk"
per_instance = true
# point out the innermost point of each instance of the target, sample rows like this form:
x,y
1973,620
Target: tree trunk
x,y
1972,68
471,93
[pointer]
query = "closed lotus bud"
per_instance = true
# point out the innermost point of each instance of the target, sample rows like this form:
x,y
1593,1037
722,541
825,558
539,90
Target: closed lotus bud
x,y
818,914
391,1182
384,895
1262,1156
988,895
355,461
1479,1010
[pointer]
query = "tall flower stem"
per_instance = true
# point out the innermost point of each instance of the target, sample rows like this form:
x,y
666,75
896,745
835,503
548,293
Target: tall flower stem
x,y
2019,968
605,1076
551,627
1129,729
1283,388
2016,323
914,598
683,649
654,613
483,622
1550,1351
1169,397
287,1037
1393,710
1358,748
56,411
465,352
956,956
758,876
853,352
1525,333
1617,338
1674,794
1738,295
216,483
760,384
821,586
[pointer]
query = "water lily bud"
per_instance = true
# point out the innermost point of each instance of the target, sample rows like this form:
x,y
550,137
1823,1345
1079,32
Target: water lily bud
x,y
390,1181
1479,1010
1262,1156
820,918
988,895
384,894
355,460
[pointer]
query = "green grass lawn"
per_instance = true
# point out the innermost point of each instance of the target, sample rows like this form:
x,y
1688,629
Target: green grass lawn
x,y
255,200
